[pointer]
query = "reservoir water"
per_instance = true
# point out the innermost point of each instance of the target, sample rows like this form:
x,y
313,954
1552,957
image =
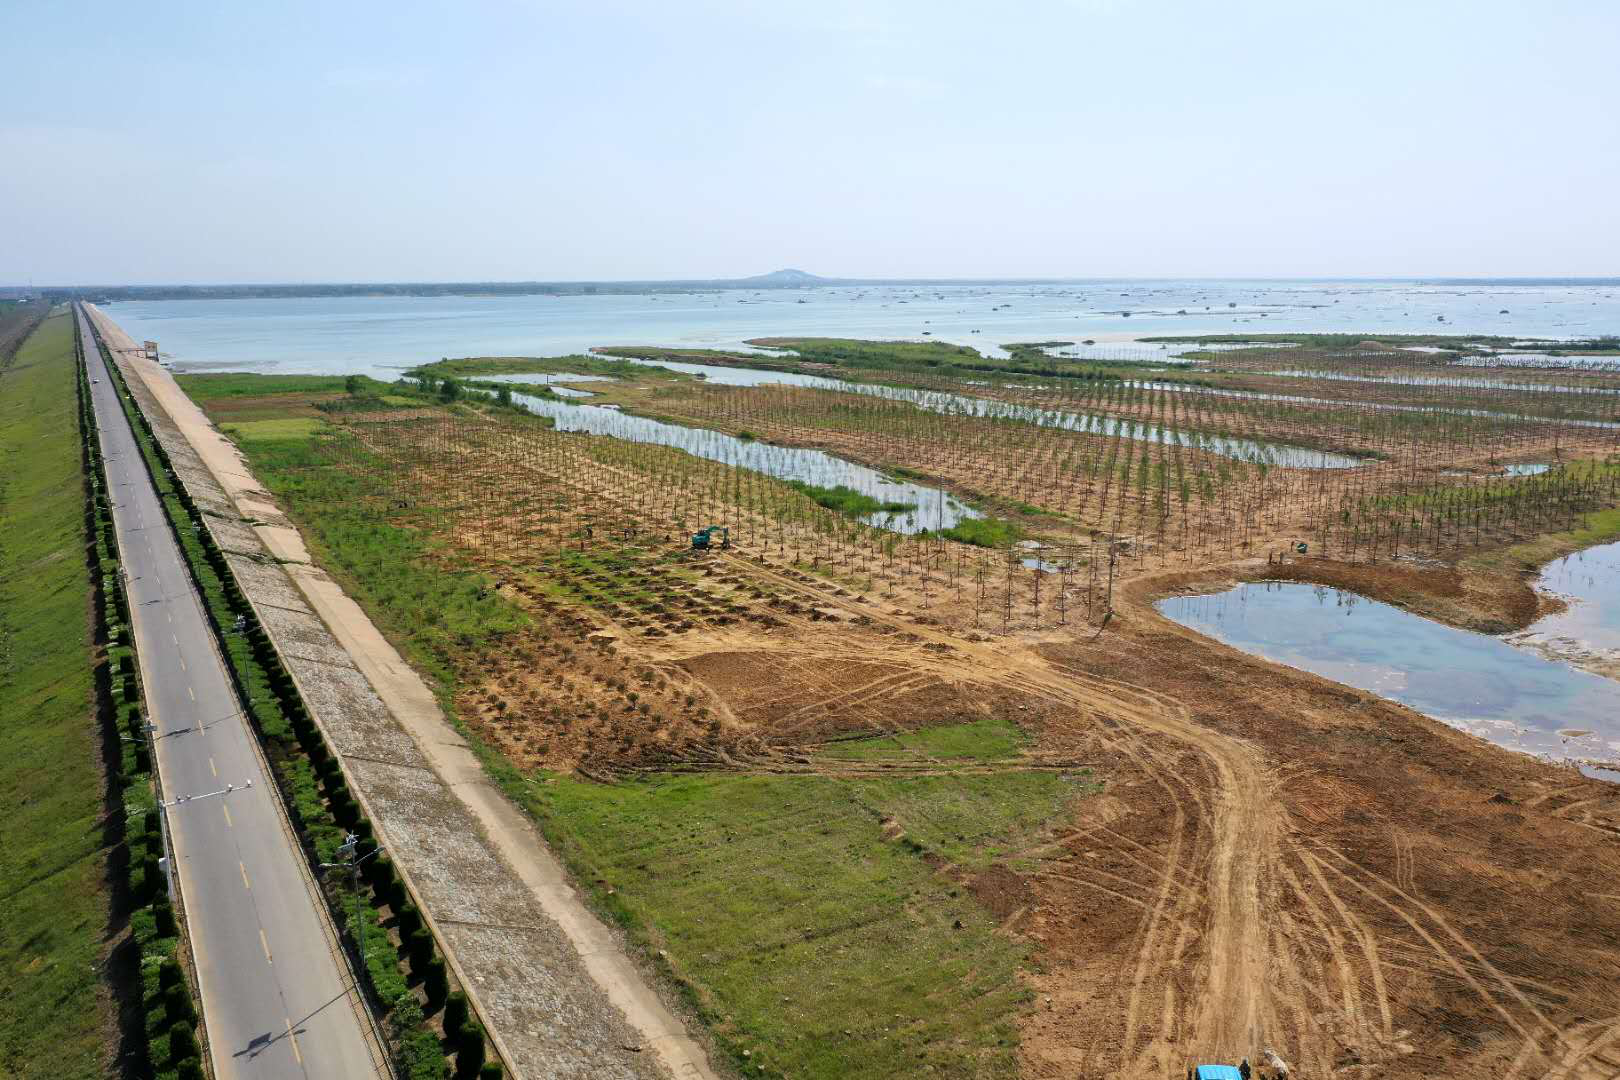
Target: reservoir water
x,y
382,336
1515,697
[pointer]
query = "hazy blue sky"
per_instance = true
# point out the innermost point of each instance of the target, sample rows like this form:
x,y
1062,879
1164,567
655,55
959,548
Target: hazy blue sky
x,y
166,142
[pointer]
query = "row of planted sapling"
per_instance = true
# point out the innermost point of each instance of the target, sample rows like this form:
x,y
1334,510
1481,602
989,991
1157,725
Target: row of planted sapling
x,y
509,490
1023,461
510,494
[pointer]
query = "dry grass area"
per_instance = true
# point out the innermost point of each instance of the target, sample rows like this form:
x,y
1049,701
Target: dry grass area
x,y
1130,847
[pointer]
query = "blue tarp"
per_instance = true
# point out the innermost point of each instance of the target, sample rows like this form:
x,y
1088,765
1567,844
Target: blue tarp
x,y
1217,1072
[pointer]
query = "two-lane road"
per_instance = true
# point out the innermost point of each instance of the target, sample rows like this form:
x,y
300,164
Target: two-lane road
x,y
277,995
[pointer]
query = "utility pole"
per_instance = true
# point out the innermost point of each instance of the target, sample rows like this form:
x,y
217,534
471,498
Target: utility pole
x,y
149,733
350,850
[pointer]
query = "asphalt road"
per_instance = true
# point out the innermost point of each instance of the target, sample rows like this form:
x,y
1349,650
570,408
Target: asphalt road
x,y
276,993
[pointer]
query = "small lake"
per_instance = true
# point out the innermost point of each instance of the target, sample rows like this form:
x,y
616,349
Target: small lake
x,y
934,509
1514,697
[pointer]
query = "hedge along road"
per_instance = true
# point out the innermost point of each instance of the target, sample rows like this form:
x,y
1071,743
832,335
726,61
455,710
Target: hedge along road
x,y
277,999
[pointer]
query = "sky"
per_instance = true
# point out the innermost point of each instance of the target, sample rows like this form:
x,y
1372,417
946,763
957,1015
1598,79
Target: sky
x,y
174,142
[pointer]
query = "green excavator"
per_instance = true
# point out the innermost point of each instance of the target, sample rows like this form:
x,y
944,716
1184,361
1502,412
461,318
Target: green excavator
x,y
704,539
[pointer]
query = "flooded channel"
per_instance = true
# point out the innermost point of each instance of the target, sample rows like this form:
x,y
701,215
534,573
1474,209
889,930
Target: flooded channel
x,y
1515,697
932,508
949,404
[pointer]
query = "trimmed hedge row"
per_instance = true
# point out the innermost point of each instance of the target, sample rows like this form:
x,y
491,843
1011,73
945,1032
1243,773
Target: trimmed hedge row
x,y
166,1043
320,804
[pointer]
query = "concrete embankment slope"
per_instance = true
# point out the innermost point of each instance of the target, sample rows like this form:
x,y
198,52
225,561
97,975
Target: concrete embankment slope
x,y
275,989
559,995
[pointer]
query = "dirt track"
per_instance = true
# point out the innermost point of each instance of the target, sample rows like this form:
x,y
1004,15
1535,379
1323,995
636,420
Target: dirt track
x,y
1258,879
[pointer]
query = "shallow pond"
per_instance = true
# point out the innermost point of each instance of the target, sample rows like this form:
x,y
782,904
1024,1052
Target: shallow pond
x,y
1587,632
1514,697
933,508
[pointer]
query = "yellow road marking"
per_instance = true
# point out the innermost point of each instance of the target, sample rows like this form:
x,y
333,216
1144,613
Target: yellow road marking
x,y
182,660
245,884
227,810
266,943
294,1040
191,695
211,767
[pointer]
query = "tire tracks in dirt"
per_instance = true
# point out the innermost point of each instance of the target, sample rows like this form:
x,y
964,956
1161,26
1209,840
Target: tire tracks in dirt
x,y
1226,833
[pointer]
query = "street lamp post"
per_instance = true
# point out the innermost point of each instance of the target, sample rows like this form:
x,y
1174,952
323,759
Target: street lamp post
x,y
350,850
149,730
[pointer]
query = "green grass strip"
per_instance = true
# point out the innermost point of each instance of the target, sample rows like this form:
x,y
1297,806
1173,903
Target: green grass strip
x,y
53,898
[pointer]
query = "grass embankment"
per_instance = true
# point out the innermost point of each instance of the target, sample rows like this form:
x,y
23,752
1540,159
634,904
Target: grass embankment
x,y
435,609
470,366
54,900
936,358
18,318
807,918
826,925
211,388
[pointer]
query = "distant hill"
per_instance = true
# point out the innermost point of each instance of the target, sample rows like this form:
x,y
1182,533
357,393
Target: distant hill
x,y
785,278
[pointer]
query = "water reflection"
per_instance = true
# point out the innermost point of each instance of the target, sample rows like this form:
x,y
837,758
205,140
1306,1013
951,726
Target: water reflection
x,y
1514,697
950,404
934,509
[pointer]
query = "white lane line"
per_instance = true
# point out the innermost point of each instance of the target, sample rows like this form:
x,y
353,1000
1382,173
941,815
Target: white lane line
x,y
228,823
211,767
266,943
191,695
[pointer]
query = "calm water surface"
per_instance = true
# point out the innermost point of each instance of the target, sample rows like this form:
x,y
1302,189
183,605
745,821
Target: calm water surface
x,y
1514,697
950,404
382,336
932,508
1588,630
